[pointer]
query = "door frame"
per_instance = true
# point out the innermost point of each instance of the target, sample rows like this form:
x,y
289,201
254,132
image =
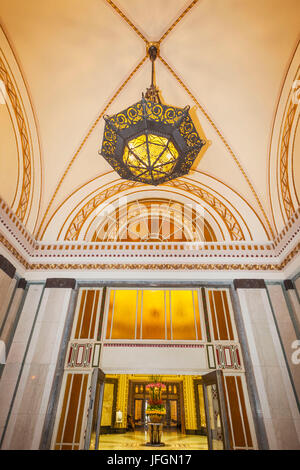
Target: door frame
x,y
216,378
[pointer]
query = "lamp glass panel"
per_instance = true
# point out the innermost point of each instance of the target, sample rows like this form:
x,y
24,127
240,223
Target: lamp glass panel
x,y
150,156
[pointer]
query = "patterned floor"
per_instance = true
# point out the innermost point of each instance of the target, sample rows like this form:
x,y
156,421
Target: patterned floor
x,y
135,441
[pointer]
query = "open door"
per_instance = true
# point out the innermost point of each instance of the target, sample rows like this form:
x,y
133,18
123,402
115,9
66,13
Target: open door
x,y
95,411
215,410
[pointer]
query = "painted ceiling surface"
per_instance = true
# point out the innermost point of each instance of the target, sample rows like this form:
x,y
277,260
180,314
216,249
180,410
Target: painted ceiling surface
x,y
67,63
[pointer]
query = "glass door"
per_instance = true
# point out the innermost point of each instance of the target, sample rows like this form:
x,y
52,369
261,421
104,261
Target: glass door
x,y
215,410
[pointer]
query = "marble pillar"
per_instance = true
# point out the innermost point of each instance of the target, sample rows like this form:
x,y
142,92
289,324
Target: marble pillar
x,y
277,399
293,299
23,428
297,285
7,286
15,358
11,320
286,331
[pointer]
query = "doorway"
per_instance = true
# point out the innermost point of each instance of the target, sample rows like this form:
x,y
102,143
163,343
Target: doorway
x,y
172,398
195,333
203,396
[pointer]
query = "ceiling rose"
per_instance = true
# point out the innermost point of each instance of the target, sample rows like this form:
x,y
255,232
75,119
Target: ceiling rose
x,y
151,142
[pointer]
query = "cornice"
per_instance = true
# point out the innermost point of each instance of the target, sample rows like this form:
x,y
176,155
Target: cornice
x,y
37,255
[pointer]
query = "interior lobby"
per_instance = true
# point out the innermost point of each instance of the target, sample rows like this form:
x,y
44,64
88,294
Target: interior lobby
x,y
149,225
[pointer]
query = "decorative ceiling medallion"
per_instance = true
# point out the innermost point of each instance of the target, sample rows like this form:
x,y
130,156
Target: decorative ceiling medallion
x,y
150,142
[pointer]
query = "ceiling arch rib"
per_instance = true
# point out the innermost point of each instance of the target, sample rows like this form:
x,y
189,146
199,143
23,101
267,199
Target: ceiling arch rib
x,y
28,188
151,220
187,203
222,214
283,179
79,208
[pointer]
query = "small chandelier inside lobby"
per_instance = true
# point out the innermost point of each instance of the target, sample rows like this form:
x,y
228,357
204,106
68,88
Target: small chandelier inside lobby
x,y
150,142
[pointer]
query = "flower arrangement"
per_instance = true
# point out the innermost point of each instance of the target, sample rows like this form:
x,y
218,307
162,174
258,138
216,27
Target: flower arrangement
x,y
155,403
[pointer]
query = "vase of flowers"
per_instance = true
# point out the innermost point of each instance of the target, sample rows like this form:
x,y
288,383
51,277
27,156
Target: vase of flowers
x,y
155,408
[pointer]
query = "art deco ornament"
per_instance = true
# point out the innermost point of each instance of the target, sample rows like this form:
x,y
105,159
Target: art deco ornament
x,y
150,142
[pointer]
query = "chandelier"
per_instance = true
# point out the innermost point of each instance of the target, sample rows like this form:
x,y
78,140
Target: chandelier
x,y
151,142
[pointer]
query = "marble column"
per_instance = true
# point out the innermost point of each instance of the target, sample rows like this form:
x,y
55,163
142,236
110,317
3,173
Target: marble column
x,y
297,285
294,299
15,358
28,410
7,285
11,319
277,399
286,330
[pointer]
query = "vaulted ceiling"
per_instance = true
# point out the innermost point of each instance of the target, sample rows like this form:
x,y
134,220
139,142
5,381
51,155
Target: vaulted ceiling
x,y
66,63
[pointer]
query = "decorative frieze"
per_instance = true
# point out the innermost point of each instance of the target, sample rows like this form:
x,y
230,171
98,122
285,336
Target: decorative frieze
x,y
83,355
228,357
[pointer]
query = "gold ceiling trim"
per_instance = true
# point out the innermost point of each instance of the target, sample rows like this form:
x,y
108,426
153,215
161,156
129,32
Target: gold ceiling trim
x,y
14,252
24,138
292,162
169,266
283,160
140,192
222,210
127,20
272,135
177,20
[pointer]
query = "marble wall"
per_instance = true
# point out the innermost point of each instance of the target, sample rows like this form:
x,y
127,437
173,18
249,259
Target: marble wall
x,y
37,318
7,287
28,375
277,399
14,362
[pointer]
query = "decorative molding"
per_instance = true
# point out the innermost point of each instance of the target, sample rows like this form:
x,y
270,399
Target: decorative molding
x,y
234,255
283,159
24,138
152,345
222,210
228,356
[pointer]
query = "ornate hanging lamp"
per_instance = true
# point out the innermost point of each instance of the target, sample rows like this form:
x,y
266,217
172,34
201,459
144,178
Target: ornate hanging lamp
x,y
149,141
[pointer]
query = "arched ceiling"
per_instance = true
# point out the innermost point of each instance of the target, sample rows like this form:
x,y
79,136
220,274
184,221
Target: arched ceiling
x,y
227,59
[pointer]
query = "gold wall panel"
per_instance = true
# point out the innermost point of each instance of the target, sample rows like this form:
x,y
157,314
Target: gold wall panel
x,y
107,408
153,326
72,412
183,319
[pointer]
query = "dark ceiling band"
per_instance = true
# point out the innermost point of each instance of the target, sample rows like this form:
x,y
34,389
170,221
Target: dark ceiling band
x,y
63,283
249,284
7,267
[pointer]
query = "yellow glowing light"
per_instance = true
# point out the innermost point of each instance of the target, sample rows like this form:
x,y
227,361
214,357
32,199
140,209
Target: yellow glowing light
x,y
150,157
